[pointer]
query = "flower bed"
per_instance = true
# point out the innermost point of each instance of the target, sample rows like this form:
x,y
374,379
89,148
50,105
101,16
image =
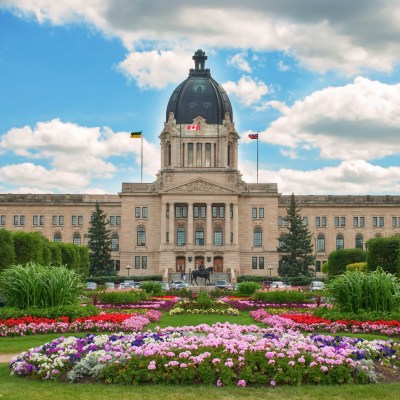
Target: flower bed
x,y
155,304
99,323
221,354
310,323
247,304
203,305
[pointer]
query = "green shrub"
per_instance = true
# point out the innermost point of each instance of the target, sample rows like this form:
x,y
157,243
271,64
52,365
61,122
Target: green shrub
x,y
361,266
101,280
70,256
204,301
325,268
151,287
338,260
55,254
281,296
71,311
248,288
35,285
252,278
7,253
84,260
334,314
28,247
384,252
356,291
123,297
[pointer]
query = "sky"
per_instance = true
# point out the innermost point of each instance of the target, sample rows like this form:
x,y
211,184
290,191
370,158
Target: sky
x,y
319,80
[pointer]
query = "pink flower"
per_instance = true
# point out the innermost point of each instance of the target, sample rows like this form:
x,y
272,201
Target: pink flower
x,y
219,383
324,368
183,365
241,383
272,383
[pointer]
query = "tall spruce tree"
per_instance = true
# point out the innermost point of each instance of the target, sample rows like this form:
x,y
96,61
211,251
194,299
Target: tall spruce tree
x,y
295,245
99,244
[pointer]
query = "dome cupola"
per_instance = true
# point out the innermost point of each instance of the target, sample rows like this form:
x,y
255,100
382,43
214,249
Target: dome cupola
x,y
199,95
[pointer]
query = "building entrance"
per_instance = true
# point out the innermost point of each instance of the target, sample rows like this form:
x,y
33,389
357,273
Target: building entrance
x,y
180,264
199,260
218,264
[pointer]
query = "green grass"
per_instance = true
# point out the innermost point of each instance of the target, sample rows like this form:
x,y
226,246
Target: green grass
x,y
13,388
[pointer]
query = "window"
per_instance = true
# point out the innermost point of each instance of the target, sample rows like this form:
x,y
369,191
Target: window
x,y
114,242
261,212
218,211
214,211
358,222
318,221
199,238
184,212
2,220
253,262
58,237
80,219
61,220
231,237
141,236
381,221
144,212
208,154
378,221
181,236
281,240
76,239
199,154
229,155
144,262
340,221
336,221
394,222
41,220
374,221
261,262
112,220
16,220
362,222
323,221
22,219
280,221
305,221
257,237
359,244
54,219
137,212
199,211
118,220
339,242
117,265
222,212
35,220
190,154
317,266
320,243
177,211
137,262
74,220
254,212
218,237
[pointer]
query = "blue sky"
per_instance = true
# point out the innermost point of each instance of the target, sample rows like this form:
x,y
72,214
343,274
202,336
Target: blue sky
x,y
316,79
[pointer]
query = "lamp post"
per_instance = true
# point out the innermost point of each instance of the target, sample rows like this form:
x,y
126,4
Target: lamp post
x,y
128,267
270,267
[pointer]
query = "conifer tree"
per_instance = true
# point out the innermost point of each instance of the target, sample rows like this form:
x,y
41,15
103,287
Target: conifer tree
x,y
99,244
295,244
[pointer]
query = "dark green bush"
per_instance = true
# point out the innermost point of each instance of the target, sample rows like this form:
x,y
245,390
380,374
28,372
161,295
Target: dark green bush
x,y
152,287
338,260
281,296
384,252
55,254
123,297
72,312
101,280
70,256
28,247
247,288
84,260
7,254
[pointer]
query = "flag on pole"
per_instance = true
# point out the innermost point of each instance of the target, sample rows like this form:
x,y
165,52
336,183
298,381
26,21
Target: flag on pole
x,y
253,135
193,127
136,135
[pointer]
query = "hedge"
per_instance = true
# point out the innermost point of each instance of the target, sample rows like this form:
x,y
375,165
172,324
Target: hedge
x,y
28,247
7,253
101,280
338,260
384,252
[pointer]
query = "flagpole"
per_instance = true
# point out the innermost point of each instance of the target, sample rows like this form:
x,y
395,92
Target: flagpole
x,y
257,156
141,158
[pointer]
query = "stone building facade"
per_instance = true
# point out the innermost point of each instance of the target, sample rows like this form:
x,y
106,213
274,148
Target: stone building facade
x,y
199,210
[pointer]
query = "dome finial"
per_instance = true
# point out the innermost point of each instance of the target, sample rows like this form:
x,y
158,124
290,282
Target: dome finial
x,y
199,59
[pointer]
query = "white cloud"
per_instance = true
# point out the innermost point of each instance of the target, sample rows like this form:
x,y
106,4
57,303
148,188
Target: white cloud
x,y
274,104
282,66
360,120
324,36
247,90
76,155
355,177
239,61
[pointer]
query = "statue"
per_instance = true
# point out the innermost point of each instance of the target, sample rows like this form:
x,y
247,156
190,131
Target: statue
x,y
201,273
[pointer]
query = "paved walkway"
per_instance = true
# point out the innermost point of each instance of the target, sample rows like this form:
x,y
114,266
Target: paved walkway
x,y
6,358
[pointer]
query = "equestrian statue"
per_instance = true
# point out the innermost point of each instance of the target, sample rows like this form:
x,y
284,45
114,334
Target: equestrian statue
x,y
201,273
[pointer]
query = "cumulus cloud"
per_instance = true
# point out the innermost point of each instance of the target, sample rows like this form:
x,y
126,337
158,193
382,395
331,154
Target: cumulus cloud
x,y
76,154
345,40
247,90
360,120
239,61
355,177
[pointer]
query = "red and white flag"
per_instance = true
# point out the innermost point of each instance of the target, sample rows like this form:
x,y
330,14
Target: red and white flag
x,y
193,127
253,135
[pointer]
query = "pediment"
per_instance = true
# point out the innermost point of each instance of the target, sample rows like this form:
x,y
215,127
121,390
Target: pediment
x,y
199,186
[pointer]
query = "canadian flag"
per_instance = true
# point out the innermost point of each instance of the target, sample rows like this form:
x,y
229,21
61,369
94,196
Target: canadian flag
x,y
193,127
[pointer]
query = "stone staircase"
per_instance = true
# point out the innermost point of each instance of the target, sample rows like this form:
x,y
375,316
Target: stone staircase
x,y
176,276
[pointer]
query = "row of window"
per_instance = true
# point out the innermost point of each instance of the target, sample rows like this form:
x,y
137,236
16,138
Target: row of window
x,y
257,262
358,243
77,240
199,211
141,212
56,220
340,221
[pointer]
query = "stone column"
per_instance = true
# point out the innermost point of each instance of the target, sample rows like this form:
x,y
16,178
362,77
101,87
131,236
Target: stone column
x,y
171,223
209,226
227,224
235,224
190,224
163,222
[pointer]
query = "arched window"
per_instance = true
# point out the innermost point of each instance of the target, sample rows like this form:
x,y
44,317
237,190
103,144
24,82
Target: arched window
x,y
199,237
339,242
181,236
359,242
218,237
320,243
58,237
257,237
76,239
141,236
114,242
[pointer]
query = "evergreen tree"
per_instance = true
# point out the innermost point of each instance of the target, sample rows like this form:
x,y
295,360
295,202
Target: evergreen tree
x,y
295,245
99,244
